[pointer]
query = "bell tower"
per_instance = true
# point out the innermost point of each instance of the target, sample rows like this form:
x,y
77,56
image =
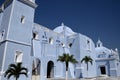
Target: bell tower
x,y
17,20
16,23
99,43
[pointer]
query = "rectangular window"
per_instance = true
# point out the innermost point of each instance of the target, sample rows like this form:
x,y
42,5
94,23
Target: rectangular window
x,y
22,19
51,40
88,45
18,56
2,35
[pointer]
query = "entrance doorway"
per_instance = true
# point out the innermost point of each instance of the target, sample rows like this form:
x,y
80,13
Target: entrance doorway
x,y
103,70
50,69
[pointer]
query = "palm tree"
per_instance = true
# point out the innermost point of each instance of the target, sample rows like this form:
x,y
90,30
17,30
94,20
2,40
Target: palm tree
x,y
16,70
87,59
67,58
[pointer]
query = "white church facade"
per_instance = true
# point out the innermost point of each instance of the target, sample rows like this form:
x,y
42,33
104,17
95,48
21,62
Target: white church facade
x,y
38,48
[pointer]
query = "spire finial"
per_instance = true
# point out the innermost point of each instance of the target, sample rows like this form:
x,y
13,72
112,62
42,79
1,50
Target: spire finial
x,y
99,41
62,24
64,27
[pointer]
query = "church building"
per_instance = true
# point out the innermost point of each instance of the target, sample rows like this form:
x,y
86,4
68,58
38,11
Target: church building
x,y
38,48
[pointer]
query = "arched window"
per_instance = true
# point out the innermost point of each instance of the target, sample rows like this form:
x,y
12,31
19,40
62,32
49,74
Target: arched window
x,y
70,45
50,69
35,35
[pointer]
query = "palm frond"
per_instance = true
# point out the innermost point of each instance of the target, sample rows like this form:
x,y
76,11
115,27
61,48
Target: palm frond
x,y
67,58
61,58
12,66
10,70
74,61
87,59
15,70
24,69
82,60
9,75
24,73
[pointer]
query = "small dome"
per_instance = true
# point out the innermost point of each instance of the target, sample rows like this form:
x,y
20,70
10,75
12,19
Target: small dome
x,y
64,29
102,49
103,52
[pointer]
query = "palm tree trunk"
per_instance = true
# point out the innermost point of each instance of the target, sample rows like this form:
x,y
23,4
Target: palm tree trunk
x,y
67,70
87,69
66,75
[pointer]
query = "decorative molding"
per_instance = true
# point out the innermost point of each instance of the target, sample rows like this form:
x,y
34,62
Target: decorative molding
x,y
29,3
113,68
80,68
17,42
102,59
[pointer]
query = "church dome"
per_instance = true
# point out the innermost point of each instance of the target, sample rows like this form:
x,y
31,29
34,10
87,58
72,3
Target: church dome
x,y
63,29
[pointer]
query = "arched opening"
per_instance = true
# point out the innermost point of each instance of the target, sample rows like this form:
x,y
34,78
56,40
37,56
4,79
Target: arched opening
x,y
35,35
50,69
36,69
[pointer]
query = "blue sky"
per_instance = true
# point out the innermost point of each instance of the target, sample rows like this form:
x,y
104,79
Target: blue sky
x,y
94,18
